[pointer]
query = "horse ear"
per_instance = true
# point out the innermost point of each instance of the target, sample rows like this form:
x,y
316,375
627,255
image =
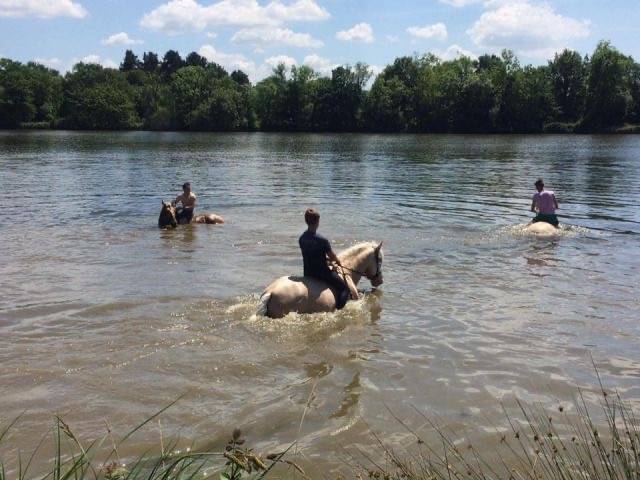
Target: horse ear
x,y
379,247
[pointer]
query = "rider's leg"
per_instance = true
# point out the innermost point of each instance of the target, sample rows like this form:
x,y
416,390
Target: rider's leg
x,y
342,288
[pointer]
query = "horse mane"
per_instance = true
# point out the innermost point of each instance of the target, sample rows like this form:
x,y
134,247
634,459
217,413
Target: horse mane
x,y
356,251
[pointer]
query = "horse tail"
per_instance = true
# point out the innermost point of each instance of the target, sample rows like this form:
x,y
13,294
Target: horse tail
x,y
263,309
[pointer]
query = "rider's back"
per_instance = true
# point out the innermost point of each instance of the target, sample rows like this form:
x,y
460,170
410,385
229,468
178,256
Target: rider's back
x,y
314,249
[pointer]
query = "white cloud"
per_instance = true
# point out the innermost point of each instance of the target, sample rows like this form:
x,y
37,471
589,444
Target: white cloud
x,y
41,8
261,36
212,35
94,58
121,38
392,38
459,3
230,61
278,59
528,28
52,62
455,51
362,32
437,31
177,16
319,64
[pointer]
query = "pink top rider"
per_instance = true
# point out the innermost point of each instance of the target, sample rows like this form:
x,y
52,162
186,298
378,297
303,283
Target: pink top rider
x,y
545,202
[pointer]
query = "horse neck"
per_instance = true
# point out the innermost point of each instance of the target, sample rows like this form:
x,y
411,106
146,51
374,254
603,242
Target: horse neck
x,y
355,259
165,218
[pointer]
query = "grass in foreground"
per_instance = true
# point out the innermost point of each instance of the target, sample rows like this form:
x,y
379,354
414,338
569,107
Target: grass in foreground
x,y
535,445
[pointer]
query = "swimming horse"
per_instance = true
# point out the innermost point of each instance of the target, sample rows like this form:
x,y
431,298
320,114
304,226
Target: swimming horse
x,y
167,218
310,295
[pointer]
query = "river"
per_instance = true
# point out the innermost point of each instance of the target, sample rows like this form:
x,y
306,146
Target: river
x,y
105,317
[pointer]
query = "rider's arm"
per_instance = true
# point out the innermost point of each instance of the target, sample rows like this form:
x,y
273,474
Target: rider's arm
x,y
333,257
533,204
178,199
555,202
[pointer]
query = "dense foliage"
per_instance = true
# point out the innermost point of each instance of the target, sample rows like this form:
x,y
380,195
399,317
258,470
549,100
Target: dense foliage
x,y
414,94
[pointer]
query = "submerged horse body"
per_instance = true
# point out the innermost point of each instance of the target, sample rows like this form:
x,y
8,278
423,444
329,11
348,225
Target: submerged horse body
x,y
168,218
311,295
542,229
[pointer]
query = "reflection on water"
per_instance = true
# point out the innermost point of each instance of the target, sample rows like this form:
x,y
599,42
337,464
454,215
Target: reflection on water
x,y
103,315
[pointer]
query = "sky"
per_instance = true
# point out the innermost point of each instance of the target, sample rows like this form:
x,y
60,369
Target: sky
x,y
256,35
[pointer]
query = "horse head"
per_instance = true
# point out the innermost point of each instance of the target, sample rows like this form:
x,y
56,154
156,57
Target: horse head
x,y
167,218
374,269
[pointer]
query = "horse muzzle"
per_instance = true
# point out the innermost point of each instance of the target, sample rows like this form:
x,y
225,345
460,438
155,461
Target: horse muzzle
x,y
377,280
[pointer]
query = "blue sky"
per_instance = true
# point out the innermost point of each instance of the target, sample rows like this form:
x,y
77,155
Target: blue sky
x,y
255,35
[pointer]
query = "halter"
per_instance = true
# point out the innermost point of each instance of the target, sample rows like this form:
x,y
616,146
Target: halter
x,y
369,277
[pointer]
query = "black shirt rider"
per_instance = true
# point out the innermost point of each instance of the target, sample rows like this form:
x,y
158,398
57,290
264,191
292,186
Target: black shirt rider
x,y
315,251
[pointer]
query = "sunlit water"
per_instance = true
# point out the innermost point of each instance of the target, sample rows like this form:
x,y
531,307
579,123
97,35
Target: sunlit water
x,y
105,317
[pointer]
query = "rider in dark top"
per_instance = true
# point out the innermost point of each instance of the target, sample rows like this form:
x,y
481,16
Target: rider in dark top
x,y
315,251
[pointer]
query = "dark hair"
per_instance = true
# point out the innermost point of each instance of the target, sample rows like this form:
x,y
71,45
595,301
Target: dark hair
x,y
186,185
311,217
539,182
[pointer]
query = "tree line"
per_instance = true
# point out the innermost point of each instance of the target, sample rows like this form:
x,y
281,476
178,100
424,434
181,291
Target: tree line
x,y
490,94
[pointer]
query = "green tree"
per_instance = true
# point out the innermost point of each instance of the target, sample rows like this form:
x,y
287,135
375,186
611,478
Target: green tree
x,y
171,63
98,98
150,62
194,59
270,101
606,100
385,106
130,62
189,89
28,93
568,73
240,77
223,109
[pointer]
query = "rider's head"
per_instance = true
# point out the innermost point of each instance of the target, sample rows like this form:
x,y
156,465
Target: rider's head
x,y
312,218
539,185
186,188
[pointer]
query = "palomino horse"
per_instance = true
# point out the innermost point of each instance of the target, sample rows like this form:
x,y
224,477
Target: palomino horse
x,y
167,218
542,229
310,295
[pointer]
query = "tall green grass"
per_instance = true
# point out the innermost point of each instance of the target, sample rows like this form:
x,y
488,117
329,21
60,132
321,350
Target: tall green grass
x,y
536,444
73,460
579,443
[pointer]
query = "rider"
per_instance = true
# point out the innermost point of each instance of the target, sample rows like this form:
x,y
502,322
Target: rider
x,y
544,203
315,250
188,201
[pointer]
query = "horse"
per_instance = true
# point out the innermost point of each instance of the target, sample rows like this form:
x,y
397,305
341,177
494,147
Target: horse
x,y
311,295
167,218
541,229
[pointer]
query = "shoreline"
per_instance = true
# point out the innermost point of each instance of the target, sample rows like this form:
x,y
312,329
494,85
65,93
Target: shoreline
x,y
630,129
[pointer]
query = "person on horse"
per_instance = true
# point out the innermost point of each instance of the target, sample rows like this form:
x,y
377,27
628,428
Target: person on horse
x,y
544,204
316,250
188,201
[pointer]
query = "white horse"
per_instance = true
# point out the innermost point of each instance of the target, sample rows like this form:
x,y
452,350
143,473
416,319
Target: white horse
x,y
310,295
541,229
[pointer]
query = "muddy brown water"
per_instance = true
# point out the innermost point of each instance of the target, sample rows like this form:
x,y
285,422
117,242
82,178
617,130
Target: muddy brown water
x,y
104,317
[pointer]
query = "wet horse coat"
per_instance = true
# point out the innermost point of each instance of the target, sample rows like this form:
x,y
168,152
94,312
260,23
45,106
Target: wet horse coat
x,y
167,217
310,295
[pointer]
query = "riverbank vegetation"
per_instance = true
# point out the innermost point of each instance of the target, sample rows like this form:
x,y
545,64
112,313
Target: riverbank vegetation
x,y
571,93
569,441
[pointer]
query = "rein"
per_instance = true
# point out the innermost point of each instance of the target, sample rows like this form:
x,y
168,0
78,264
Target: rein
x,y
363,274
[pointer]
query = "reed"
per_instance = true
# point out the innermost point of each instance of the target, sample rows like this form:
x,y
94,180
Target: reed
x,y
582,443
537,444
74,460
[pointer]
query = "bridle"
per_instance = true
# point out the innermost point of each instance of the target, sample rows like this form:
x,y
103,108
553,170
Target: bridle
x,y
369,277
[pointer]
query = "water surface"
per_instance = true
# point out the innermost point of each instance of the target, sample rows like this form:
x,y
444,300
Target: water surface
x,y
103,316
